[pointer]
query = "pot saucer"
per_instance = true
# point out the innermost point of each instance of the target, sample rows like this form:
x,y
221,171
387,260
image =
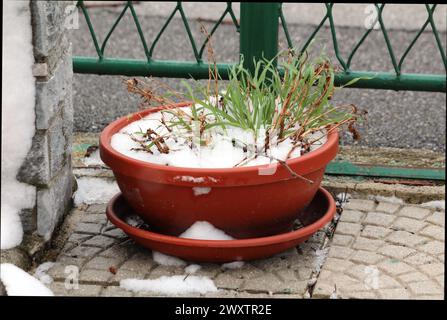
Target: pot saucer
x,y
317,214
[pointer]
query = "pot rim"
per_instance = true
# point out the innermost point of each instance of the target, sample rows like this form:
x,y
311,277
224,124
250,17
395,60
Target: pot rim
x,y
251,242
110,156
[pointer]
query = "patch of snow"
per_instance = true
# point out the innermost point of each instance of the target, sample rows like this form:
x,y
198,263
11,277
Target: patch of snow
x,y
19,283
392,199
233,265
343,198
224,147
170,285
437,204
204,230
133,220
192,268
320,257
93,160
41,272
94,190
166,260
198,191
18,117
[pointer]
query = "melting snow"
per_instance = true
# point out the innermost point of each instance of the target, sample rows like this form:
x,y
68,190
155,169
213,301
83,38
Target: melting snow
x,y
93,160
19,283
198,191
392,199
205,231
41,272
166,260
233,265
94,190
179,284
437,204
193,268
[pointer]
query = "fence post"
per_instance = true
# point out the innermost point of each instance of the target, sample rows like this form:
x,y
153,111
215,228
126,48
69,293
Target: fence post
x,y
258,31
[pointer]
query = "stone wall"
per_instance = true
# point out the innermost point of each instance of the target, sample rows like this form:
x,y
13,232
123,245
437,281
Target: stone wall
x,y
48,163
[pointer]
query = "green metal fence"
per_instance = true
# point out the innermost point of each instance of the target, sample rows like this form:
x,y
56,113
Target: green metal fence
x,y
266,19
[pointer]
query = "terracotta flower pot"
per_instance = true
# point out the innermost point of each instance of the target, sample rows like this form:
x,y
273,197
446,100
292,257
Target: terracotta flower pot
x,y
240,201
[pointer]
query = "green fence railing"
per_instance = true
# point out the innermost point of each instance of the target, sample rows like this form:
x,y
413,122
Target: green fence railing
x,y
266,19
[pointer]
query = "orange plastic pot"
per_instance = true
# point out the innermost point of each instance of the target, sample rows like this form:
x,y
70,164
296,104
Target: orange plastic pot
x,y
245,202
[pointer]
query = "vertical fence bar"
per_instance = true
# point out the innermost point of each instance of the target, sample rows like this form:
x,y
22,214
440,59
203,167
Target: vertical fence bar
x,y
258,31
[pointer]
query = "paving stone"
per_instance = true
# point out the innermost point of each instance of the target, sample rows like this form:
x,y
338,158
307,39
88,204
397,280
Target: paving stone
x,y
99,218
103,263
57,272
367,244
270,283
83,290
162,271
397,252
99,208
419,258
438,218
351,216
287,275
434,232
430,297
226,281
72,261
89,228
375,232
139,261
378,219
360,204
348,228
115,291
100,241
335,264
387,207
84,252
118,250
115,233
359,295
425,287
79,237
366,257
127,274
342,240
95,276
440,280
304,273
340,252
271,264
395,267
405,238
359,271
413,277
323,290
432,269
249,271
397,293
414,212
407,224
433,247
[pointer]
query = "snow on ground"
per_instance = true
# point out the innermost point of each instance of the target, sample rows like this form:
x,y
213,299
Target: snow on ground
x,y
192,268
41,272
166,260
437,204
392,199
233,265
172,285
94,190
19,283
18,118
93,160
224,148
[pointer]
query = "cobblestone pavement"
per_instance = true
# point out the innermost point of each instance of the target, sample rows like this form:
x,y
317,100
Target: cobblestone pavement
x,y
104,256
386,251
379,250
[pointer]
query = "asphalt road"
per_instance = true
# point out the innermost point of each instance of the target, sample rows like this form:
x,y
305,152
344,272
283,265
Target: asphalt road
x,y
395,119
